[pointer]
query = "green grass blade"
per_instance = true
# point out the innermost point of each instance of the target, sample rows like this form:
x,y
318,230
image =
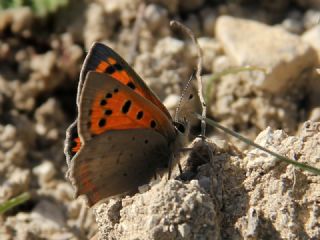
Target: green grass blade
x,y
249,142
14,202
40,7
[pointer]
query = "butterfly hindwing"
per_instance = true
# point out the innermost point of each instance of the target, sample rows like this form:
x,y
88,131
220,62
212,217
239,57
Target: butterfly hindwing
x,y
106,104
72,142
116,162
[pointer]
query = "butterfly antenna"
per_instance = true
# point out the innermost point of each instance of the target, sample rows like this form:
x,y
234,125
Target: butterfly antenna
x,y
188,31
182,96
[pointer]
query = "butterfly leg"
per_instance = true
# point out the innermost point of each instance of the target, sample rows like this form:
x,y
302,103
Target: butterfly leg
x,y
180,168
170,166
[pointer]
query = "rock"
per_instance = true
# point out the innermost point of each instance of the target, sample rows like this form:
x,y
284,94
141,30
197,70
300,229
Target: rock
x,y
184,230
45,172
165,68
272,187
259,159
19,20
171,102
221,63
210,49
311,18
171,5
49,216
169,210
155,16
293,22
48,117
64,192
169,46
98,25
315,115
285,56
312,37
209,17
18,181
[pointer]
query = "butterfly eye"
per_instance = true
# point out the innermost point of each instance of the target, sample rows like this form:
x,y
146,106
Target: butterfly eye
x,y
180,127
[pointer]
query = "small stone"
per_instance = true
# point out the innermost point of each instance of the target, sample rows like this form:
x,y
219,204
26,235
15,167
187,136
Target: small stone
x,y
17,183
253,221
16,154
285,56
210,48
64,192
184,230
45,171
48,215
312,37
155,16
172,101
44,63
315,115
205,183
169,46
221,63
22,20
311,18
292,25
209,17
171,5
97,26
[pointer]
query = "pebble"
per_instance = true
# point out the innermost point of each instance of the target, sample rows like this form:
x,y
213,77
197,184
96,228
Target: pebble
x,y
312,37
155,15
284,58
45,171
49,215
311,18
209,17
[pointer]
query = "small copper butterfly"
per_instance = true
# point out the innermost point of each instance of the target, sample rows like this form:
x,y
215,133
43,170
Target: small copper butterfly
x,y
123,133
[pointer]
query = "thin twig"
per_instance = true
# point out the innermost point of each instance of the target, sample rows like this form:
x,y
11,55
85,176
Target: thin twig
x,y
136,32
198,72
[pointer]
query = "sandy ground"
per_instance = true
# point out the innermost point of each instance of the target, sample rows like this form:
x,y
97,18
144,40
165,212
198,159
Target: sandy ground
x,y
238,192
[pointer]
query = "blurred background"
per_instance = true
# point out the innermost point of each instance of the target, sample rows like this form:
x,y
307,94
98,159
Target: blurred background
x,y
42,47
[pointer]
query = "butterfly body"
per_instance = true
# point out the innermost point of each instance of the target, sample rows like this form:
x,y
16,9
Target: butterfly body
x,y
123,133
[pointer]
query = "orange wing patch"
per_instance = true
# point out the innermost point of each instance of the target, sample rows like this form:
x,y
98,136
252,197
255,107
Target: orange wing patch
x,y
77,145
116,111
114,69
109,105
87,185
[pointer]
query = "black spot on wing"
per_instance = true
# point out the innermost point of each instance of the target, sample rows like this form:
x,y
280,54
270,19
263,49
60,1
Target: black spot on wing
x,y
126,106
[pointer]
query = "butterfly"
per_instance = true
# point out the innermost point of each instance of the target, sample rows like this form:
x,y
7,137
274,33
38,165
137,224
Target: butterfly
x,y
122,134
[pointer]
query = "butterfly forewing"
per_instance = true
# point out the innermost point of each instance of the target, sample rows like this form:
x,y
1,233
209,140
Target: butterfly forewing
x,y
103,59
106,105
